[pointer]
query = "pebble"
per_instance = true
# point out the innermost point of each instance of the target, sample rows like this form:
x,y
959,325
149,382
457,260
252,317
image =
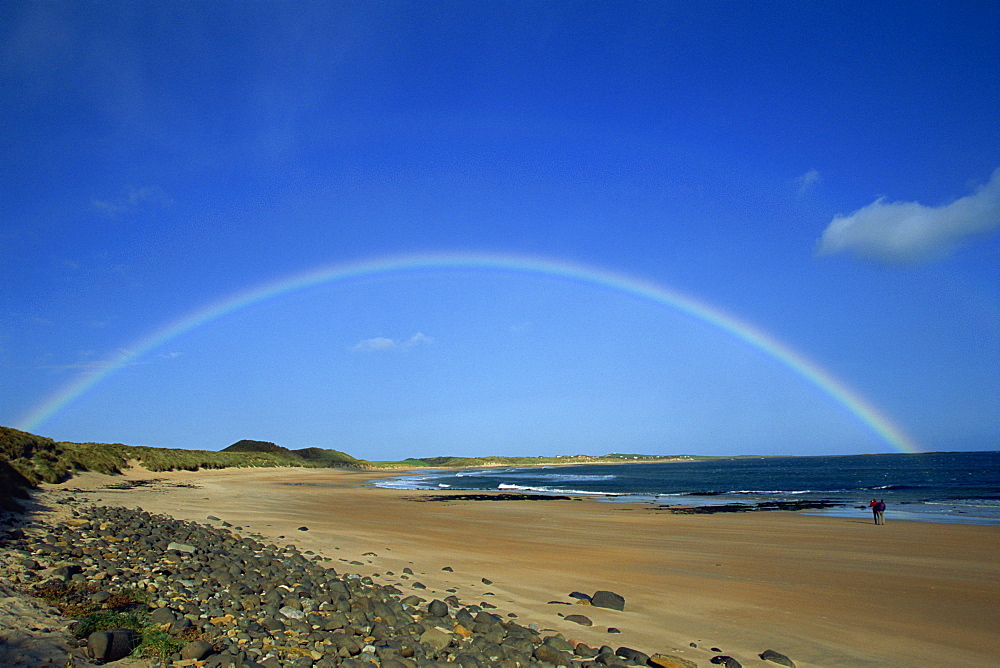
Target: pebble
x,y
256,604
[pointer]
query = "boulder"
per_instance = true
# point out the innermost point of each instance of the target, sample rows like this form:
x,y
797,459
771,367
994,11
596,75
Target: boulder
x,y
196,650
549,654
435,638
725,661
181,624
163,616
558,643
633,656
608,599
579,619
664,661
777,657
437,608
607,657
106,646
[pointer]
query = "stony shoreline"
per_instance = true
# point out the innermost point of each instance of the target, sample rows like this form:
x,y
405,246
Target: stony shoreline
x,y
697,587
221,597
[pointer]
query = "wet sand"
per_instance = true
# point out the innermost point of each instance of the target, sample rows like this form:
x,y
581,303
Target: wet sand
x,y
825,591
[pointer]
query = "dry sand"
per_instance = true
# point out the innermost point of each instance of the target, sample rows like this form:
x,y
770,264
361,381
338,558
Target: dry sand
x,y
824,591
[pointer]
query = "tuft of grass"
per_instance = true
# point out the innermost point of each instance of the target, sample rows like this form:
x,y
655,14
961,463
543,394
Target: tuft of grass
x,y
116,613
157,643
105,620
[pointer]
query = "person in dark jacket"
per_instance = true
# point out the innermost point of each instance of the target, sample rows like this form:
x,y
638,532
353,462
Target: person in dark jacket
x,y
880,512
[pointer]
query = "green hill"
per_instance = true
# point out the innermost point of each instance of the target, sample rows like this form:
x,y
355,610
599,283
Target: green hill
x,y
27,460
329,457
257,446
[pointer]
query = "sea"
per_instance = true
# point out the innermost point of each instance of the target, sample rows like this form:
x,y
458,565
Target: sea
x,y
959,487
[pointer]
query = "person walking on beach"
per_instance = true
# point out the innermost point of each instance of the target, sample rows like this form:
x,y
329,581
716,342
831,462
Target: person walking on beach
x,y
874,502
880,512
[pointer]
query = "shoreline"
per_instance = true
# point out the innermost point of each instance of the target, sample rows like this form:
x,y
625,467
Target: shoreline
x,y
819,505
741,582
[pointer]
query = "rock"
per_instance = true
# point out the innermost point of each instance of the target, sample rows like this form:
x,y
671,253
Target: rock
x,y
181,547
448,569
196,650
664,661
180,625
777,657
580,596
435,638
303,528
608,599
105,646
100,597
273,624
559,643
548,654
609,658
291,613
579,619
726,661
633,655
612,629
163,616
437,608
487,582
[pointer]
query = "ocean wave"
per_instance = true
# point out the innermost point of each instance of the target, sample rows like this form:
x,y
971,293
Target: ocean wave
x,y
771,492
965,503
553,477
553,490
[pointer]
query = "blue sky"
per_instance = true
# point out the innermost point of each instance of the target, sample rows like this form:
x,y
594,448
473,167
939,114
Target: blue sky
x,y
824,172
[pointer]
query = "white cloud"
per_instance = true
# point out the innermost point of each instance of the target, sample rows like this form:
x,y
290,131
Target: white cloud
x,y
132,199
807,181
380,343
909,232
418,339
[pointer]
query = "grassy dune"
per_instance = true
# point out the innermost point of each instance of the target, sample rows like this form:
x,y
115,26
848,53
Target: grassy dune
x,y
27,460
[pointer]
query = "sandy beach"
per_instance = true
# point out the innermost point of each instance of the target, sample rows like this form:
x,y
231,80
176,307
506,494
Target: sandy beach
x,y
824,591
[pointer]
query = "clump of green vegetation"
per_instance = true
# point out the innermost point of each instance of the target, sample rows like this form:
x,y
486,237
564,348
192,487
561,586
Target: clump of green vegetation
x,y
154,642
120,611
157,643
27,460
105,620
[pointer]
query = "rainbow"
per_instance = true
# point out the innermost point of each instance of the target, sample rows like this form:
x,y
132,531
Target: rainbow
x,y
854,403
